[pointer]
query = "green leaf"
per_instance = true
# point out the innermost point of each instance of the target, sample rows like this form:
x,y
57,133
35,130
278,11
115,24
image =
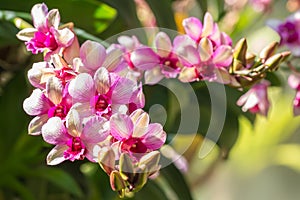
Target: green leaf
x,y
86,14
13,120
60,178
163,13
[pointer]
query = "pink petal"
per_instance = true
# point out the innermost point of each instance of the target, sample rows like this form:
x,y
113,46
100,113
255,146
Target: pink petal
x,y
153,76
73,123
223,56
26,34
294,81
102,80
35,74
36,104
64,37
205,49
183,41
53,18
92,54
123,91
95,130
82,87
36,124
155,136
54,90
130,43
188,74
113,59
144,58
192,27
56,155
140,125
189,56
39,13
121,126
163,44
208,25
54,131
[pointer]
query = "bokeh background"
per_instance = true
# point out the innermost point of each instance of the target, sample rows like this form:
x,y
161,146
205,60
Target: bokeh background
x,y
255,157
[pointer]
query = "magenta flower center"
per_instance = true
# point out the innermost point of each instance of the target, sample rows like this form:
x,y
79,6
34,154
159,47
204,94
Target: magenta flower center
x,y
65,74
58,111
76,149
134,145
170,62
255,109
102,105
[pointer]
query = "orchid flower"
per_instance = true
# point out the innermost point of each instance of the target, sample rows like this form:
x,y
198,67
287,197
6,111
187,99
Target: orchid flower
x,y
74,140
209,29
288,31
159,64
46,36
134,134
204,62
57,67
294,82
54,102
105,94
256,99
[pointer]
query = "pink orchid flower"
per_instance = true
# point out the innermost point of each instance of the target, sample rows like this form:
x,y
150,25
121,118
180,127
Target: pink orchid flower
x,y
73,139
205,62
209,29
134,134
40,72
92,56
46,34
294,82
159,64
105,94
256,99
54,102
288,31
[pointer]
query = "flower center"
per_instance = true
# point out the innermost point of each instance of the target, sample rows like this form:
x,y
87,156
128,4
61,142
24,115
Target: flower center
x,y
76,149
43,40
102,105
133,145
58,111
65,74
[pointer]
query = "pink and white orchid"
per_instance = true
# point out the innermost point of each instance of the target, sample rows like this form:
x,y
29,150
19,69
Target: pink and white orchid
x,y
157,64
73,139
106,93
134,134
54,102
205,62
209,29
45,36
256,99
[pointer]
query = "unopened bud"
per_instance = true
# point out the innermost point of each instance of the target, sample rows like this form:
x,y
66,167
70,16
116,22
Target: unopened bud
x,y
274,61
126,167
106,159
268,51
240,50
117,183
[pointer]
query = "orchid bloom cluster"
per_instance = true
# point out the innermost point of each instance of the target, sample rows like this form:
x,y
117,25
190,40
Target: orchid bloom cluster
x,y
89,101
